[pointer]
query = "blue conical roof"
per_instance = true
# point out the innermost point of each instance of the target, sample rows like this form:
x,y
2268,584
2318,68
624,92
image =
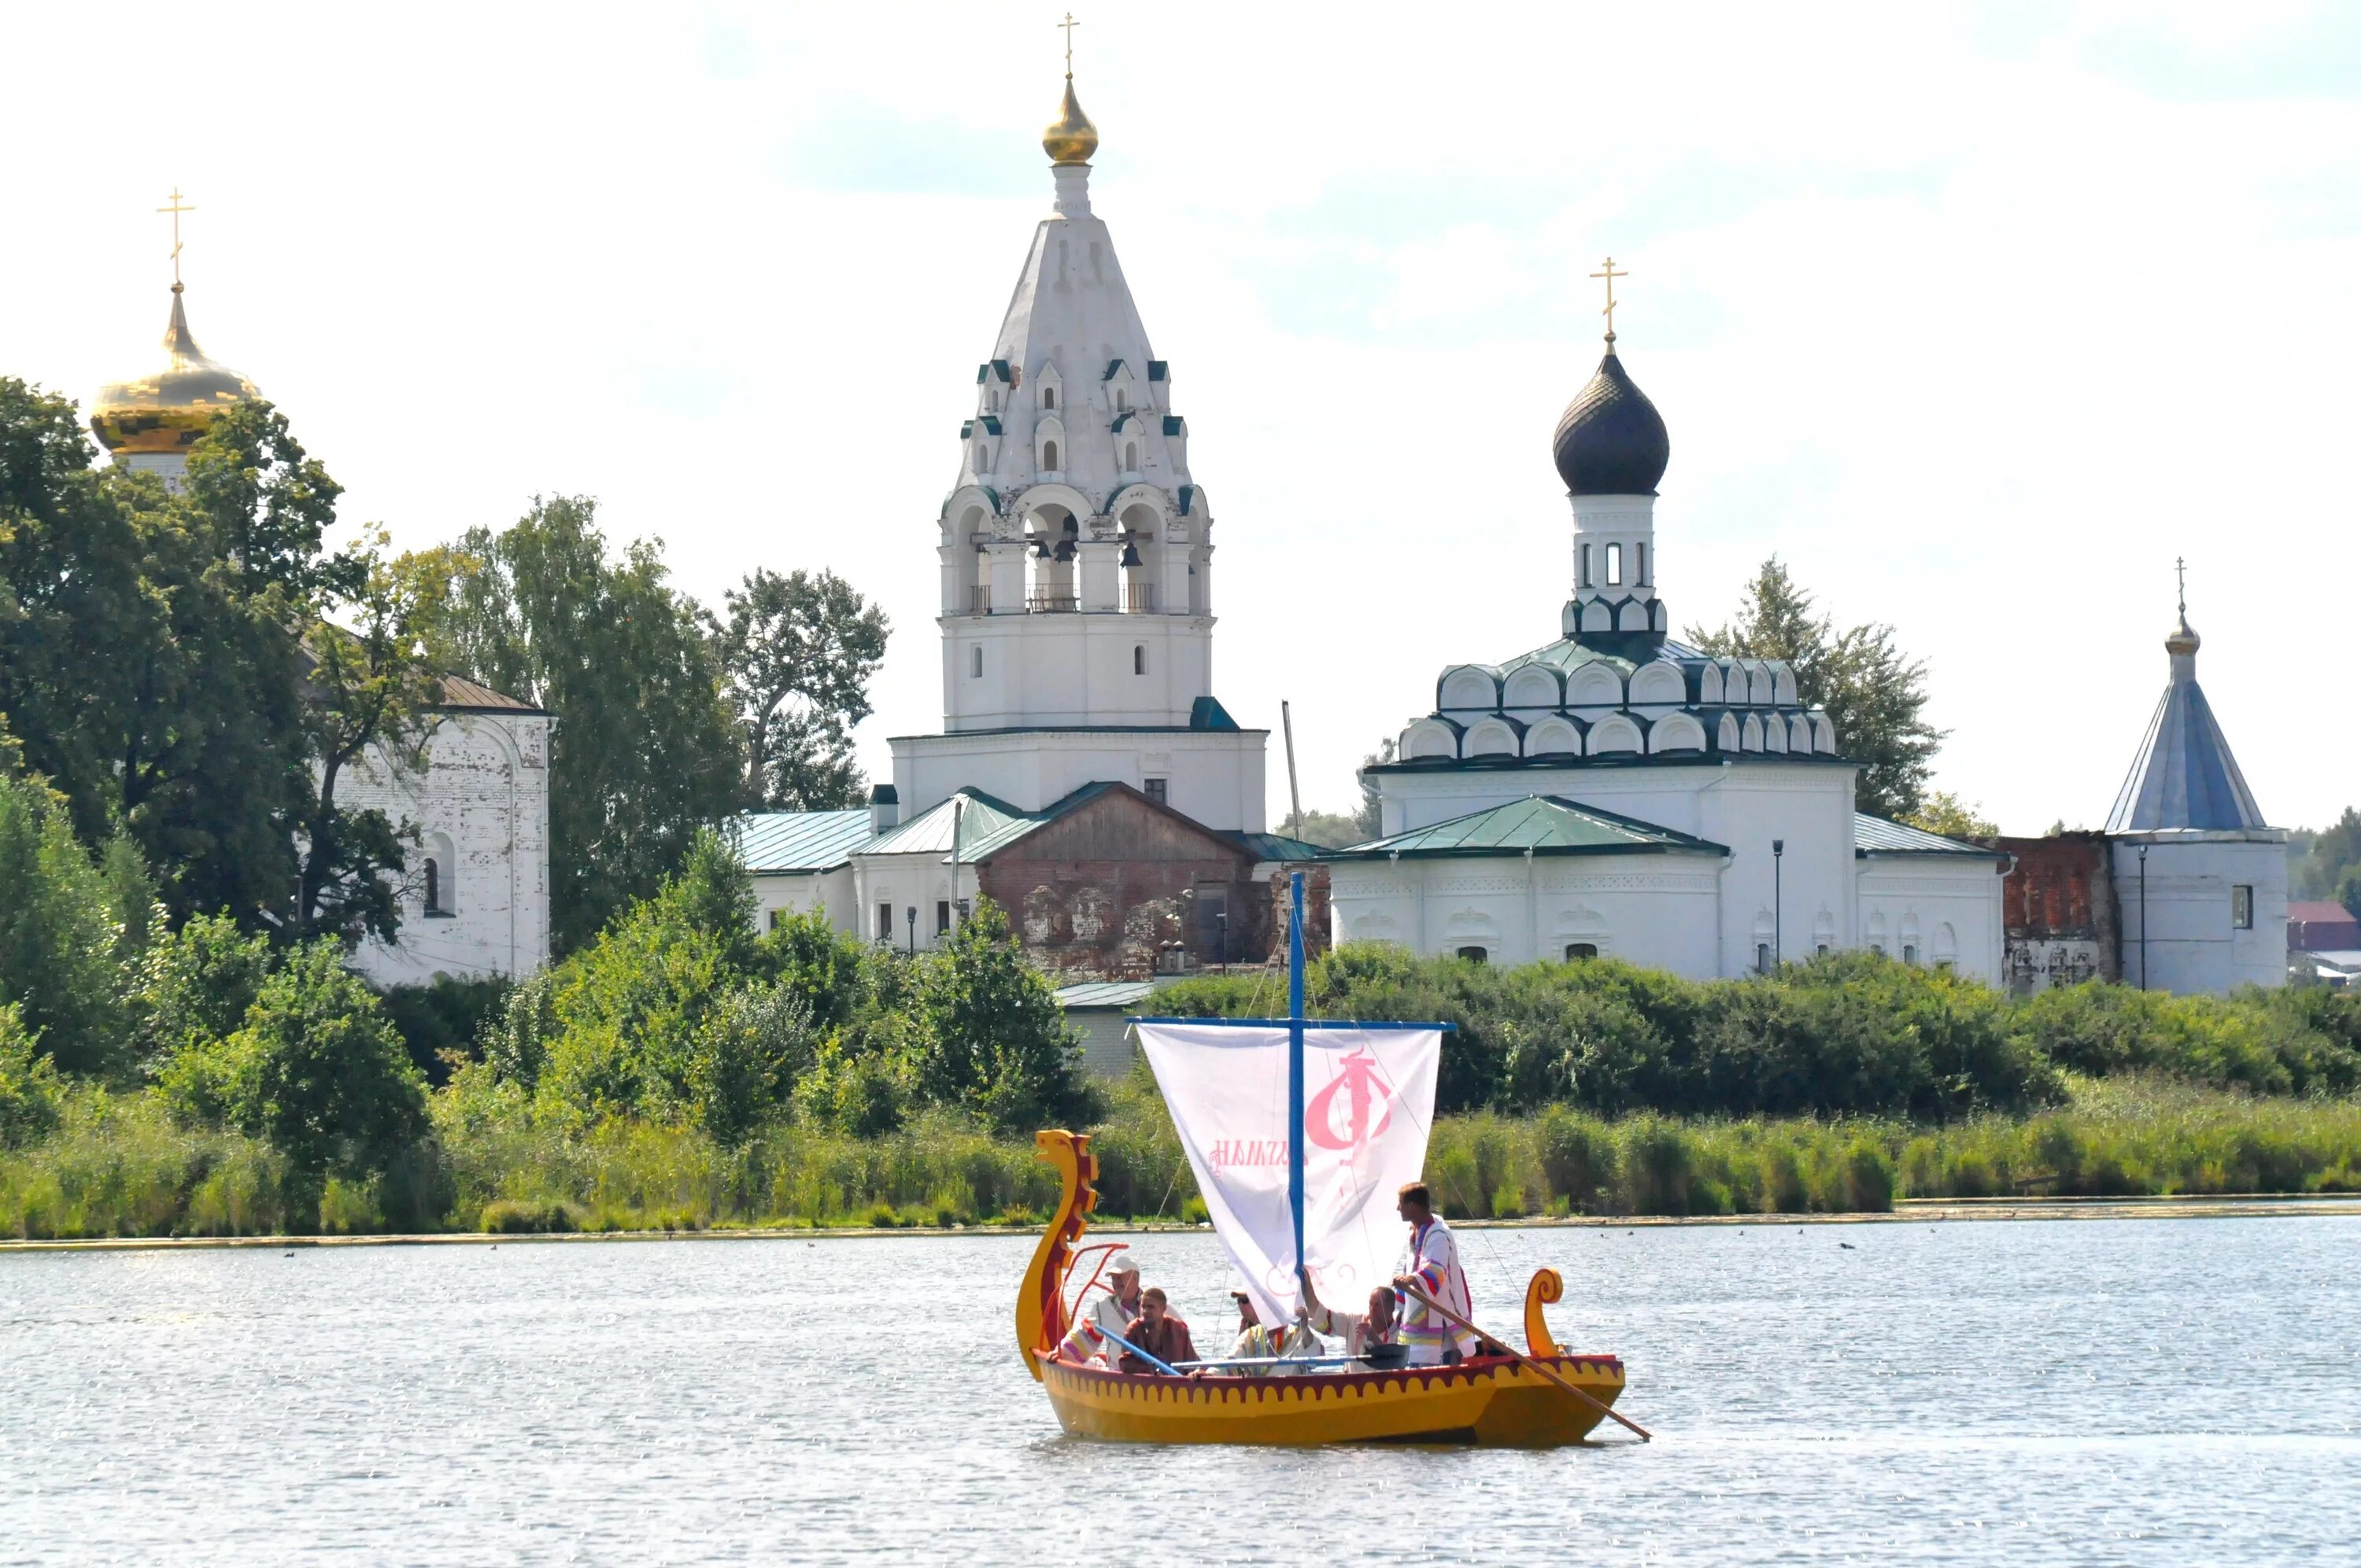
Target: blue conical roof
x,y
2184,777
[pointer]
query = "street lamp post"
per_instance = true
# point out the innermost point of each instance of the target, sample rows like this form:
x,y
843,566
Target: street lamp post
x,y
1221,922
1778,905
2142,852
913,914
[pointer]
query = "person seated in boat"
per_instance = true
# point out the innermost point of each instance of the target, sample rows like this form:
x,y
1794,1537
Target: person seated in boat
x,y
1256,1342
1431,1268
1156,1332
1109,1311
1361,1334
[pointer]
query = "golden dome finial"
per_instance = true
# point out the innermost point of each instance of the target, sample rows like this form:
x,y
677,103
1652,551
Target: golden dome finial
x,y
1071,137
167,409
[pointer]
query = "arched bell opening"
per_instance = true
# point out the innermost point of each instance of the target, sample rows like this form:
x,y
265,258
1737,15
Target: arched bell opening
x,y
1052,546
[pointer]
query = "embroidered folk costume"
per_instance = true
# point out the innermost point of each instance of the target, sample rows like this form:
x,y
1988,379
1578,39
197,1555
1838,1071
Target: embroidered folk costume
x,y
1434,1261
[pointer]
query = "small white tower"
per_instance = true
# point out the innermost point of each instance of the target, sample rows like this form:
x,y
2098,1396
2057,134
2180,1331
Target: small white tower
x,y
1612,449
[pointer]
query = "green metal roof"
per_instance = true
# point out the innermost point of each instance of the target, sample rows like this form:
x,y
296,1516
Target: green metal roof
x,y
930,832
1544,824
1207,713
1275,846
1105,993
1877,836
798,841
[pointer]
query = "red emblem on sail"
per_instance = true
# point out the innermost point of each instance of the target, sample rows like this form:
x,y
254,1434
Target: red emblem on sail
x,y
1365,1086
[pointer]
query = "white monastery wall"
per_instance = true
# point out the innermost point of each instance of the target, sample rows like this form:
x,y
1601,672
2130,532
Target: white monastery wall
x,y
829,892
481,808
2193,944
1656,910
1932,909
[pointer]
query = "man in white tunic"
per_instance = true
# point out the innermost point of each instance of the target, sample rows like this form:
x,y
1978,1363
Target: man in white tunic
x,y
1107,1312
1430,1266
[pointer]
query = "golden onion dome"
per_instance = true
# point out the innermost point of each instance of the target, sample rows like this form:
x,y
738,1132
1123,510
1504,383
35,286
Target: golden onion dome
x,y
168,410
1071,137
2183,640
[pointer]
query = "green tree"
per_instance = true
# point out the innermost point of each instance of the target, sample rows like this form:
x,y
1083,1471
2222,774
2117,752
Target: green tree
x,y
29,1086
316,1070
1370,820
798,652
370,691
60,959
2317,867
1942,812
1329,829
998,1045
196,985
645,751
1875,694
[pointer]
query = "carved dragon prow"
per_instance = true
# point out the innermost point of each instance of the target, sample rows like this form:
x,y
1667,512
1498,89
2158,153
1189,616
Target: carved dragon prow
x,y
1040,1301
1545,1290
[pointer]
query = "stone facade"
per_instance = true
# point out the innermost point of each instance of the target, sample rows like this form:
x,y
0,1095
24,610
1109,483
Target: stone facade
x,y
481,807
2059,912
1122,889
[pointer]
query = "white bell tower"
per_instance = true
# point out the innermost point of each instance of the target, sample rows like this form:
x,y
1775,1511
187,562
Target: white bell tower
x,y
1076,552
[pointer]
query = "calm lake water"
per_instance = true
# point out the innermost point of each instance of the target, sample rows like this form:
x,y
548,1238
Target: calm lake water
x,y
2175,1391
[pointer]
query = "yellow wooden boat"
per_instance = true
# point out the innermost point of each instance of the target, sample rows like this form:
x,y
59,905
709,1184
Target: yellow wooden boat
x,y
1491,1401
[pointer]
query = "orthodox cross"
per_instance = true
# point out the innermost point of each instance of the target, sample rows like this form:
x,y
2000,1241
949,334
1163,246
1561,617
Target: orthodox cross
x,y
2180,576
1610,275
175,210
1069,24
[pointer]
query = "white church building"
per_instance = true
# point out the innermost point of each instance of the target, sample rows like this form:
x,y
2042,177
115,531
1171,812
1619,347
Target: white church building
x,y
475,894
1615,793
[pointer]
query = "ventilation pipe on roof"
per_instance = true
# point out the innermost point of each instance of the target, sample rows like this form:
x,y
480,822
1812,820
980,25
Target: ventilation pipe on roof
x,y
885,807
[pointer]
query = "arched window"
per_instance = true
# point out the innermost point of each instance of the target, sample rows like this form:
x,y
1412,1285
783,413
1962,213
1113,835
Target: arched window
x,y
1586,566
1762,957
1139,658
1615,565
1131,457
1640,562
1581,950
975,663
434,887
1120,406
1048,455
1475,955
1910,954
1048,397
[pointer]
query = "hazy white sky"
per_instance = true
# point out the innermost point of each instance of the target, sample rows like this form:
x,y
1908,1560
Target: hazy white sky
x,y
1978,317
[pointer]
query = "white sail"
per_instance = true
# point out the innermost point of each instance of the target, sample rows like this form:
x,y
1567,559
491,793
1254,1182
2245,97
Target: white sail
x,y
1369,1102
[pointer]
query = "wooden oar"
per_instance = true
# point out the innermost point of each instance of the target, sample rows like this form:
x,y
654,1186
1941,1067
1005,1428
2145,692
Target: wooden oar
x,y
1447,1315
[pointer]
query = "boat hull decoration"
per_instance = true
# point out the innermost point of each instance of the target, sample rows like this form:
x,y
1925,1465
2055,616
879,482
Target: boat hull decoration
x,y
1491,1401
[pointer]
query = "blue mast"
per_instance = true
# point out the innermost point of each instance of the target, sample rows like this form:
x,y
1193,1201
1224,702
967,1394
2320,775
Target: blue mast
x,y
1295,1064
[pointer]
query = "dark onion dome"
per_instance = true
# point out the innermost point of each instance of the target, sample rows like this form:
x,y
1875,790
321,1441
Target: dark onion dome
x,y
1610,440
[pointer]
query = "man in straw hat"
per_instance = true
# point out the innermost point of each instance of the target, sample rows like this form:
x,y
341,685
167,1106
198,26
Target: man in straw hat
x,y
1108,1311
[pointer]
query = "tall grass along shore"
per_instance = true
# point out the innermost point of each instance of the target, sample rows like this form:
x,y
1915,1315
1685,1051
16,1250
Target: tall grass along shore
x,y
683,1069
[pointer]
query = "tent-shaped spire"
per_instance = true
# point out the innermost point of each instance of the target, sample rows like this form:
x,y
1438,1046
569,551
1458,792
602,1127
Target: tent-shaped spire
x,y
2184,777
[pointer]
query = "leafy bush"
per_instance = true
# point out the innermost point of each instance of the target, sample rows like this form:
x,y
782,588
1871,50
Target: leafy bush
x,y
316,1071
29,1085
59,939
197,984
442,1022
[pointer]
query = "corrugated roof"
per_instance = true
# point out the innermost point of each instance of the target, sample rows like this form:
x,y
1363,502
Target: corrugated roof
x,y
799,841
930,832
1877,836
458,692
2184,775
1545,824
1105,993
1275,846
1019,824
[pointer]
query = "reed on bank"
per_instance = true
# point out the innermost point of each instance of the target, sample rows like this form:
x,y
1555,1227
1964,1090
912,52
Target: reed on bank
x,y
118,1165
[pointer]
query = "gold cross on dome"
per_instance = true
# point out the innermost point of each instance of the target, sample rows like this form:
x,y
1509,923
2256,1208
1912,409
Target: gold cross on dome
x,y
1069,24
1611,274
2180,576
175,210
